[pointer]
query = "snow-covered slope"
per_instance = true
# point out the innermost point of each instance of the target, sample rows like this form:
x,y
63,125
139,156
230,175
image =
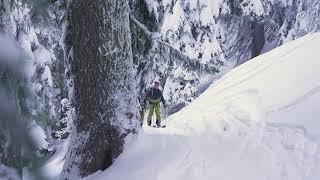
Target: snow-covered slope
x,y
259,121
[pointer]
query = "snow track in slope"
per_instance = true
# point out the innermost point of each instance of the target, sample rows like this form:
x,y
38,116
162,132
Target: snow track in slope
x,y
299,100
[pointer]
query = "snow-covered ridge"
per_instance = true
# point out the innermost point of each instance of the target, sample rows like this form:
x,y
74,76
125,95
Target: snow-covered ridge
x,y
258,122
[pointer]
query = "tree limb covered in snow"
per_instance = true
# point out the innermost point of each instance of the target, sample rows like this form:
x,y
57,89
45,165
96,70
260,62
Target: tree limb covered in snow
x,y
160,47
142,26
19,150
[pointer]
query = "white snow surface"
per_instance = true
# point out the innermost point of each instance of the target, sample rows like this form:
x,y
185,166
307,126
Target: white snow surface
x,y
259,121
54,166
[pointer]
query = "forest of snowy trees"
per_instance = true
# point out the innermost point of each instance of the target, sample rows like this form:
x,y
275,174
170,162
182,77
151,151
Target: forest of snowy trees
x,y
72,70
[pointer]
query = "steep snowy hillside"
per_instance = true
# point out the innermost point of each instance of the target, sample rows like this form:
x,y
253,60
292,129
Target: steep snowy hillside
x,y
260,121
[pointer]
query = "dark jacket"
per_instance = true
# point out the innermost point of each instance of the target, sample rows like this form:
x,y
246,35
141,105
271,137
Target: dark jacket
x,y
155,94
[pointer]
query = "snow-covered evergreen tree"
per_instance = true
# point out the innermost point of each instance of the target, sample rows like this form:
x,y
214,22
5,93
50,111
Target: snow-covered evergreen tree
x,y
36,94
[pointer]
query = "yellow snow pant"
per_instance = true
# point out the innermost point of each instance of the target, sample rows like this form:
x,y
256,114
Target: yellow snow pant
x,y
155,106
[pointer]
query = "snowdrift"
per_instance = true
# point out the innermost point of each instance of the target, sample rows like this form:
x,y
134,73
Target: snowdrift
x,y
259,122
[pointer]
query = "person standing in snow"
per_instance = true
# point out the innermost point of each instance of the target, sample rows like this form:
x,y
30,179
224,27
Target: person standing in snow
x,y
154,96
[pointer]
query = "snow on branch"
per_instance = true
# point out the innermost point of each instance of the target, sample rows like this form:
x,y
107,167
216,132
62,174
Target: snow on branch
x,y
104,51
141,26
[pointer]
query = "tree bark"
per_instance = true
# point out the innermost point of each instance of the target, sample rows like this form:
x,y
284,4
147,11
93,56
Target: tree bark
x,y
104,97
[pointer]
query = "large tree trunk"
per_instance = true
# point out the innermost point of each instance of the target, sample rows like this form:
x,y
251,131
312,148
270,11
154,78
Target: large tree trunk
x,y
103,89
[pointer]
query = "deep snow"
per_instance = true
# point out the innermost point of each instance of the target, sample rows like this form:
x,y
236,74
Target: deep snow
x,y
259,121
